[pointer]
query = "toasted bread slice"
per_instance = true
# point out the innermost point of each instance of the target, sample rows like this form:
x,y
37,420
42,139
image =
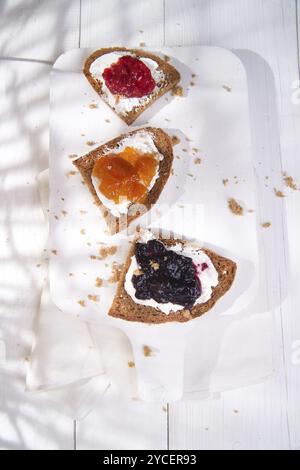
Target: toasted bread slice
x,y
169,77
126,308
86,163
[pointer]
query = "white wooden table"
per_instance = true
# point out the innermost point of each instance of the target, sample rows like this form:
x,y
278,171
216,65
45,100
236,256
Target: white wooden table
x,y
33,33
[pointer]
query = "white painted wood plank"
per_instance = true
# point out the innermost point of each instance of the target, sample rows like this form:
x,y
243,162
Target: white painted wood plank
x,y
38,29
121,22
269,29
115,424
118,424
25,421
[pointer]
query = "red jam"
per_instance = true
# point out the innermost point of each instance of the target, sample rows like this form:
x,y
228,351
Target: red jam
x,y
129,77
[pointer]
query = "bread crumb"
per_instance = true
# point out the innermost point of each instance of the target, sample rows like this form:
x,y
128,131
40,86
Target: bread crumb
x,y
56,217
278,193
107,251
225,181
62,198
197,161
227,88
82,135
141,31
167,120
107,120
192,83
236,412
90,142
115,273
73,155
71,173
54,252
191,175
250,211
94,298
147,351
38,265
289,182
164,408
142,44
64,213
177,156
81,303
93,106
71,274
175,140
193,75
83,212
88,243
167,58
266,224
83,182
154,265
194,149
172,172
98,282
82,231
131,364
184,150
177,91
186,314
93,257
235,208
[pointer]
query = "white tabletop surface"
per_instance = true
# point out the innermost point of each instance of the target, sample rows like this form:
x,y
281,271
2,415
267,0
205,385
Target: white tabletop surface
x,y
33,33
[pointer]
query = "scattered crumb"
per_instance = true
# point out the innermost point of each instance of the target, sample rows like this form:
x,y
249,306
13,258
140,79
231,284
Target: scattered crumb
x,y
83,212
71,173
192,83
167,58
131,364
141,31
81,303
38,265
93,257
56,217
194,149
83,182
278,193
266,177
82,231
177,156
54,252
115,272
82,135
191,175
107,251
175,140
147,351
107,120
94,298
73,155
167,120
88,243
98,282
251,211
172,172
266,224
164,408
236,412
184,150
62,198
64,213
235,208
71,274
90,142
177,91
197,161
225,181
289,182
93,106
142,44
227,88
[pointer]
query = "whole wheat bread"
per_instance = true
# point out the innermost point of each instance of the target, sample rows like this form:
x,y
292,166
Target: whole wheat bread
x,y
171,78
86,163
124,306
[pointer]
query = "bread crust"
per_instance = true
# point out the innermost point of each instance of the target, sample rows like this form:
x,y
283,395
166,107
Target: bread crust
x,y
172,77
86,163
125,308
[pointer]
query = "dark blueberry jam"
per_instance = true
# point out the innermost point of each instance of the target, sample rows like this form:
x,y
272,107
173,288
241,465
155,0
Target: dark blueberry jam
x,y
165,276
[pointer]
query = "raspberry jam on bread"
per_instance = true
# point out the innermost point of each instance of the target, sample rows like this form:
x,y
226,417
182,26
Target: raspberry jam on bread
x,y
129,77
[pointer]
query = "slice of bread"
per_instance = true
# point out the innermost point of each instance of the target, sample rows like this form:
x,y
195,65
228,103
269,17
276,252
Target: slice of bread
x,y
170,78
86,163
124,306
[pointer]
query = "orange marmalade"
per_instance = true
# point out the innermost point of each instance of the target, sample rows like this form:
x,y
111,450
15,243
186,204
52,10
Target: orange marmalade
x,y
125,175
